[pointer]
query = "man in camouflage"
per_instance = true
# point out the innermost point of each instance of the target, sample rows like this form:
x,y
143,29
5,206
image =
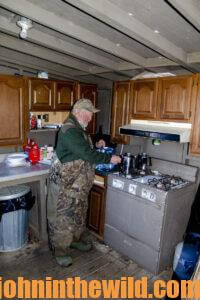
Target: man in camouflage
x,y
71,178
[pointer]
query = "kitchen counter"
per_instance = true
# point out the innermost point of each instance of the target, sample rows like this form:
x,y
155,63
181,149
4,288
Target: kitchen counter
x,y
36,177
16,173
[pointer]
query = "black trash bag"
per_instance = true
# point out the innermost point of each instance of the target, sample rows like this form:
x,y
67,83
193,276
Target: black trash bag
x,y
194,221
23,202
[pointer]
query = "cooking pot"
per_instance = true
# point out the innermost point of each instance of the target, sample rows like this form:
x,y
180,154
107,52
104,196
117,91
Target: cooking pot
x,y
128,164
143,161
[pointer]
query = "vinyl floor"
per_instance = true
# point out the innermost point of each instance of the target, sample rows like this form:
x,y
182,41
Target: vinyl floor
x,y
35,261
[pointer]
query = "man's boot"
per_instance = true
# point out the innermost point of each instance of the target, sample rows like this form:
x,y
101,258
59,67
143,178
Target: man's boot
x,y
64,261
81,246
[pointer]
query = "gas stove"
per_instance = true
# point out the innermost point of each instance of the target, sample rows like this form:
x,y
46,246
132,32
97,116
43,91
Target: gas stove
x,y
162,181
142,212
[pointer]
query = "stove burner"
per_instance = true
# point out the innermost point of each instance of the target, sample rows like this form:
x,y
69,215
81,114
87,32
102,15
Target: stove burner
x,y
161,181
167,182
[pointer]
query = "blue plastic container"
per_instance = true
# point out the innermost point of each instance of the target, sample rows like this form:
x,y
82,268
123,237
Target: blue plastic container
x,y
105,167
186,256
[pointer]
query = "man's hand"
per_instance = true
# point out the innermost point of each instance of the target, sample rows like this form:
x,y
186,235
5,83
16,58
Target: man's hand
x,y
115,159
100,144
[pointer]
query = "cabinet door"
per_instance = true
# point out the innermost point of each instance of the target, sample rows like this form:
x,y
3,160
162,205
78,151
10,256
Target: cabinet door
x,y
41,94
195,138
13,112
144,99
96,210
89,91
64,95
120,110
175,98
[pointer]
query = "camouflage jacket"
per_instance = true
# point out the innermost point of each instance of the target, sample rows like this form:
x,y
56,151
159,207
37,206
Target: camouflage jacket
x,y
74,143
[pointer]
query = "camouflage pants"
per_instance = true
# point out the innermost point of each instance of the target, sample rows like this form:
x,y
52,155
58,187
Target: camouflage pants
x,y
67,202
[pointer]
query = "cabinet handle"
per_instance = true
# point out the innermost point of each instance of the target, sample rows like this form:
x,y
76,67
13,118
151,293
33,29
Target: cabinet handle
x,y
72,94
29,96
34,97
50,99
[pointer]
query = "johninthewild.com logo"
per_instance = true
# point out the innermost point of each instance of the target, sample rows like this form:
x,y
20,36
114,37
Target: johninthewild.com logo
x,y
75,288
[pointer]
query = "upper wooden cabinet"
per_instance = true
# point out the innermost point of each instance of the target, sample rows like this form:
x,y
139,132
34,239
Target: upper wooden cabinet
x,y
41,94
195,136
175,98
48,95
64,95
167,98
143,99
88,91
14,111
120,110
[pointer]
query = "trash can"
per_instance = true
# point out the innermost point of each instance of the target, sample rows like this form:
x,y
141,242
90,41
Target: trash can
x,y
15,201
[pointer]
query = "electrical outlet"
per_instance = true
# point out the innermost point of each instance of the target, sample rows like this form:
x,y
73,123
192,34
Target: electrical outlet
x,y
46,117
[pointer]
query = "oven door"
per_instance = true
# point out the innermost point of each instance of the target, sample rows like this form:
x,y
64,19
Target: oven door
x,y
137,217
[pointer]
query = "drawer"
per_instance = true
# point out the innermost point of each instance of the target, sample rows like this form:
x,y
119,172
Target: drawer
x,y
99,180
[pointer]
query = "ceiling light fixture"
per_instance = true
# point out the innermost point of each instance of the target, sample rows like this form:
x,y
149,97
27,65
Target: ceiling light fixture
x,y
156,31
130,14
25,24
43,74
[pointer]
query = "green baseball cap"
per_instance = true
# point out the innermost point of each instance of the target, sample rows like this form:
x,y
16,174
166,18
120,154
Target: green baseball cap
x,y
85,104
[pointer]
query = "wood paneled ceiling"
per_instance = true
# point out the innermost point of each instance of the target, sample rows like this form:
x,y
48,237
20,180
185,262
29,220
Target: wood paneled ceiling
x,y
108,40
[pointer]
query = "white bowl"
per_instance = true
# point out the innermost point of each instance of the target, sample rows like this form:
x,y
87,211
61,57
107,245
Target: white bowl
x,y
16,159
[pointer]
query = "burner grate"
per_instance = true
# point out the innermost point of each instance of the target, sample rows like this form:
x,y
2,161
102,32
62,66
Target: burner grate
x,y
167,182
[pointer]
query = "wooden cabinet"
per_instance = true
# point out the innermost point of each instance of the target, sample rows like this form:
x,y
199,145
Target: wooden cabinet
x,y
48,95
143,99
64,95
120,110
175,98
195,135
96,209
41,94
159,99
88,91
167,98
14,111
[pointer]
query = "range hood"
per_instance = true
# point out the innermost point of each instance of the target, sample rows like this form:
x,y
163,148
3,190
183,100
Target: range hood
x,y
167,131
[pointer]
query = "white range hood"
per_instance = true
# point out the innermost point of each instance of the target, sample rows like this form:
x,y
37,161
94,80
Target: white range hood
x,y
168,131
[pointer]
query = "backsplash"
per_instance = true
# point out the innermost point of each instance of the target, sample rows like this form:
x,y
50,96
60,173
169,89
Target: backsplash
x,y
44,137
54,117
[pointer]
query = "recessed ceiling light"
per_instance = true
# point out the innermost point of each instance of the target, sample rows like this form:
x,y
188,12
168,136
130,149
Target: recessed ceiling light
x,y
130,14
118,45
156,31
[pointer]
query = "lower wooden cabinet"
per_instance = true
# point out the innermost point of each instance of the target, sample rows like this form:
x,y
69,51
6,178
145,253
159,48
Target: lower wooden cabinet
x,y
96,209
